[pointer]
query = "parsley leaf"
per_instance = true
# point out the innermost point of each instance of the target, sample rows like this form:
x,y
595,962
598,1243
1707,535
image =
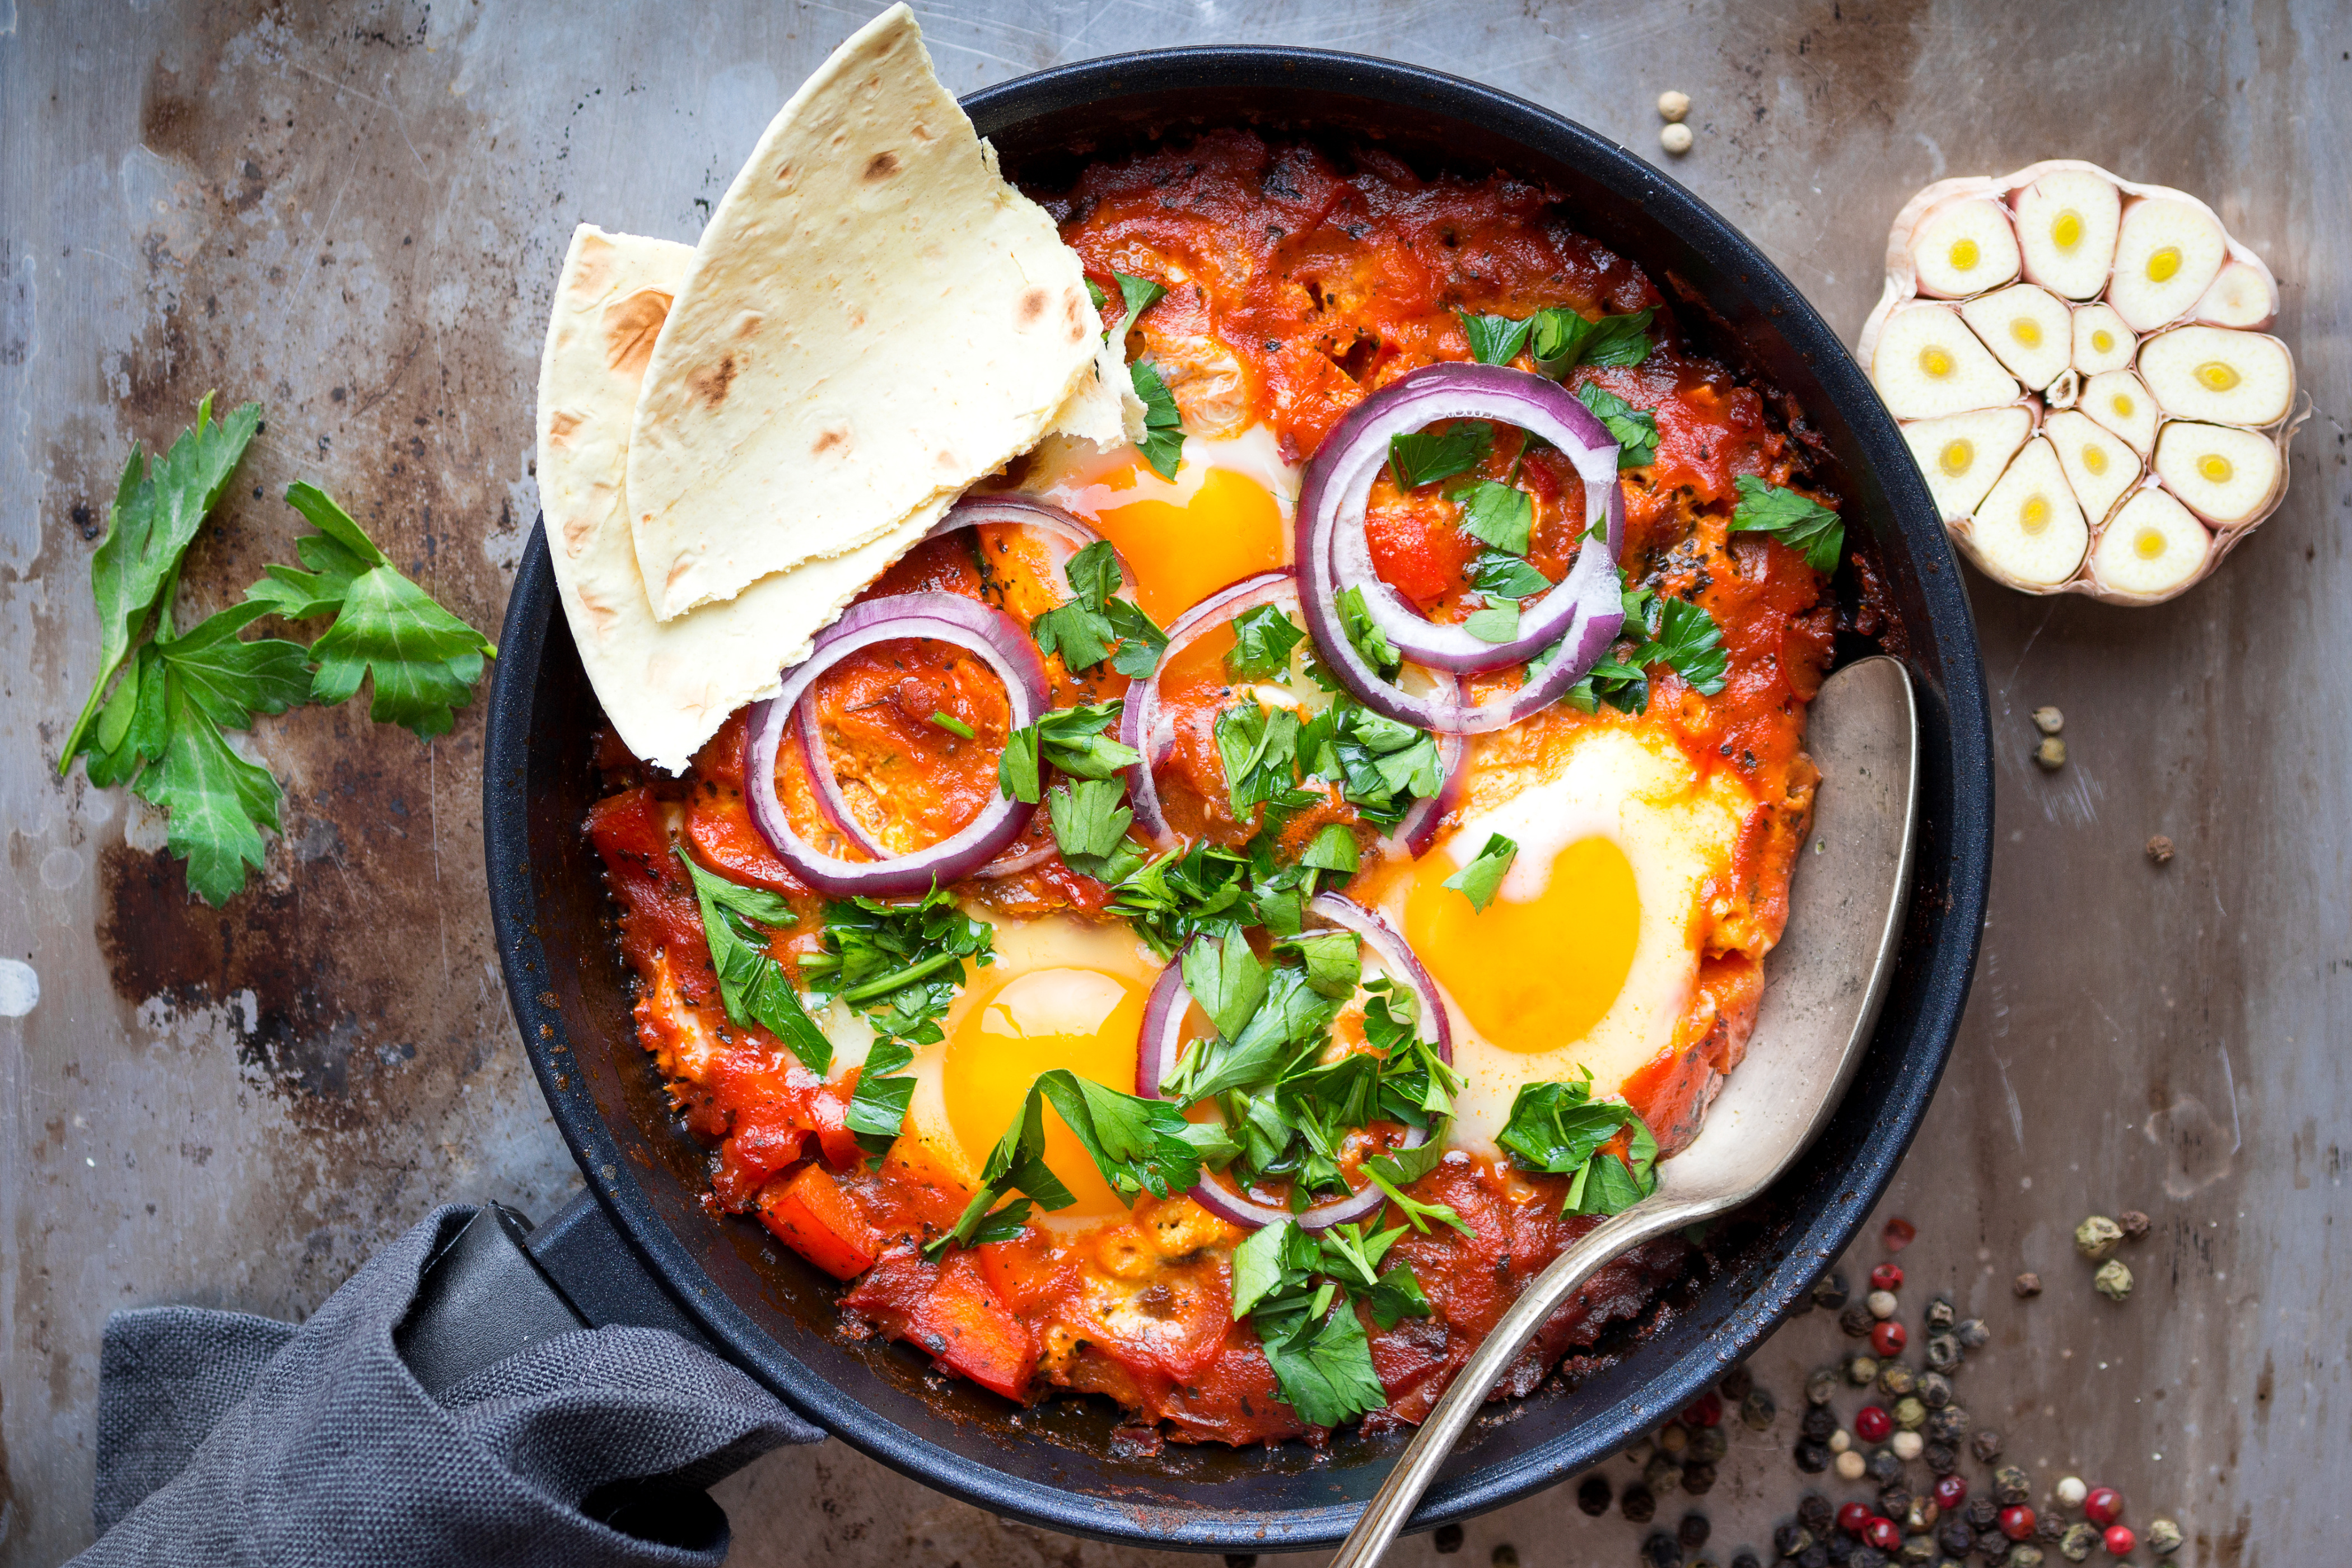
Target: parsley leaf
x,y
900,965
1396,1296
1263,639
1419,457
1333,849
1163,430
1689,642
1332,961
1017,1164
1494,340
1364,633
1081,635
1139,295
1090,828
1203,889
1501,576
1495,513
216,800
1258,1267
1140,640
1482,879
1226,979
1796,520
154,516
1071,739
877,1108
1259,747
752,985
1563,338
1140,1146
1498,622
1323,1364
1635,430
1561,1129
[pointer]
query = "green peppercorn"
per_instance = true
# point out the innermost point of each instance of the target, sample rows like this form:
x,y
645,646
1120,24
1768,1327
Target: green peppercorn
x,y
1918,1552
1822,1387
2025,1557
2113,1280
2078,1542
2011,1486
1708,1445
1910,1413
2163,1537
1862,1372
2096,1237
1757,1411
1896,1378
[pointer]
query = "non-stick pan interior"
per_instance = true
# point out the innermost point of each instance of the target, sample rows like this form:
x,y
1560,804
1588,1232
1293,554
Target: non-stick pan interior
x,y
1057,1465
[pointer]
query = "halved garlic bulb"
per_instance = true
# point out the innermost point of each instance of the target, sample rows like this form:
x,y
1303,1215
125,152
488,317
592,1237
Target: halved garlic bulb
x,y
2241,296
2214,373
2029,528
1928,363
2150,547
2066,223
2119,402
1964,247
2028,328
2099,466
2102,341
1962,454
2224,475
2168,254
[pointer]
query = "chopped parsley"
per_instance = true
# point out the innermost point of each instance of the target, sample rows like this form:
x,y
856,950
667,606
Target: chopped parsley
x,y
1419,457
952,725
1263,640
1163,429
1635,430
1494,340
1364,633
1561,1129
1300,1294
1673,632
1482,879
1259,747
1497,513
1090,828
1796,520
752,986
1093,621
1071,739
1564,339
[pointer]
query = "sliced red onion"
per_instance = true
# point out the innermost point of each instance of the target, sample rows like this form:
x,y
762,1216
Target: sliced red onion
x,y
1140,717
989,633
1417,828
1163,1043
825,785
1006,508
1577,618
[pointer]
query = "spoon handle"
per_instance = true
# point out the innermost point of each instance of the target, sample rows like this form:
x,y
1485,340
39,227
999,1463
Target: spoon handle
x,y
1393,1504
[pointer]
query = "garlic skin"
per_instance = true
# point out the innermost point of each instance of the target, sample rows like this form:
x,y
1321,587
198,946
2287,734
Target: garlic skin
x,y
2218,376
2155,434
2066,226
1928,363
1962,454
2099,466
2029,330
2225,475
1963,249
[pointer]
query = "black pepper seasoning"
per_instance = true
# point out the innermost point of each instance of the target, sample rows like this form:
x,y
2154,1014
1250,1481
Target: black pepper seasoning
x,y
1817,1421
1935,1390
1747,1560
1757,1411
1593,1494
1943,1353
1788,1537
1736,1383
1822,1387
1956,1537
1812,1457
1972,1333
1942,1459
1693,1530
1982,1514
1638,1505
1884,1467
1699,1478
1814,1556
1986,1447
1830,1291
1814,1512
1662,1551
1448,1540
1941,1314
1856,1321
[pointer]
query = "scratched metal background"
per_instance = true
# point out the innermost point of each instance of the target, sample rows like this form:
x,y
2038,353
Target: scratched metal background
x,y
354,214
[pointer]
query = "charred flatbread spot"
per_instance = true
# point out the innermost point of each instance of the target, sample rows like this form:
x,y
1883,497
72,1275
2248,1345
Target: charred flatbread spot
x,y
560,428
1032,306
881,166
630,328
710,385
829,440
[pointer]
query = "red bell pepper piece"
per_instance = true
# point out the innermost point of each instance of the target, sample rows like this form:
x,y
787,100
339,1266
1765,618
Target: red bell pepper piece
x,y
809,1213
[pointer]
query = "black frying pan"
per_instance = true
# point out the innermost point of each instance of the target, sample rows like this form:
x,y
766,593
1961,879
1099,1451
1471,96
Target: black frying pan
x,y
639,1248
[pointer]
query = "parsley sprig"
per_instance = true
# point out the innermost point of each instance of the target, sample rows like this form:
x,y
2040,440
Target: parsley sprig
x,y
1086,627
1796,520
1163,440
1074,740
1300,1293
1670,631
1560,1128
1564,339
1635,430
752,986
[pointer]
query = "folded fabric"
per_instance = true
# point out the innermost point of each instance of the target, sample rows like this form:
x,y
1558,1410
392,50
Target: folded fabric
x,y
227,1439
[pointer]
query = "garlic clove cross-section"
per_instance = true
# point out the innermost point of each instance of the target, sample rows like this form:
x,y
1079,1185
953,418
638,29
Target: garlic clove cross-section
x,y
2242,296
2217,375
2168,253
2099,467
1964,247
2227,476
2029,330
2102,341
2066,223
2119,402
1962,454
1928,363
2029,529
2151,548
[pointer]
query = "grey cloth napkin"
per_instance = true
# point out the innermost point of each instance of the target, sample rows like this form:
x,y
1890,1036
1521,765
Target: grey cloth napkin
x,y
225,1439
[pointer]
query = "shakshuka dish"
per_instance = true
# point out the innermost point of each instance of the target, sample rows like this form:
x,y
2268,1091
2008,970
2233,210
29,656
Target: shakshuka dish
x,y
1206,906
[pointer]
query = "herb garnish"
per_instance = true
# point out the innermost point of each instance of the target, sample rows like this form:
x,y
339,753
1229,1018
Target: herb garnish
x,y
1559,1127
1163,438
1494,340
1086,627
1675,632
752,985
1796,520
1564,339
1482,879
1071,739
1419,457
1090,828
1635,430
1263,639
1364,633
1300,1294
1497,513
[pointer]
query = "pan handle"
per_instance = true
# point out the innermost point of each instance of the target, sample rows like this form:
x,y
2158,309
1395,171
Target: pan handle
x,y
503,1285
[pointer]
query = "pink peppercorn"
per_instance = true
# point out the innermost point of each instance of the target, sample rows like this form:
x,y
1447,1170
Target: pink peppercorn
x,y
1872,1425
2120,1539
2017,1521
1888,1338
1886,1276
2103,1505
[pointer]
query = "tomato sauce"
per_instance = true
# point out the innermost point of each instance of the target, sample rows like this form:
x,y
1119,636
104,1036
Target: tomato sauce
x,y
1299,283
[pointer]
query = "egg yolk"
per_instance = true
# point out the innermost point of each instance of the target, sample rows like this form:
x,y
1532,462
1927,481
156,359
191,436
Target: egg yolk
x,y
1231,528
1537,973
1083,1019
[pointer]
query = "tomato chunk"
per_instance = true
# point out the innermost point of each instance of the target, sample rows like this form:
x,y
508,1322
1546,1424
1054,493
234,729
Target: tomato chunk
x,y
810,1214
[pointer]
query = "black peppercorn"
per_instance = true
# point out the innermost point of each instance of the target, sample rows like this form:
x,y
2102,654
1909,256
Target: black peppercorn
x,y
1956,1537
1986,1446
1241,1559
1708,1445
1896,1378
1941,1314
1935,1390
1971,1333
1814,1512
1839,1548
1757,1411
1699,1478
1790,1538
2011,1486
1593,1495
1982,1514
1830,1291
1504,1555
1638,1505
1884,1467
1943,1353
1856,1321
1866,1557
1693,1530
1814,1556
1747,1560
1812,1457
1735,1384
1894,1502
1942,1459
1448,1541
2049,1527
1822,1387
1949,1425
1817,1421
1662,1551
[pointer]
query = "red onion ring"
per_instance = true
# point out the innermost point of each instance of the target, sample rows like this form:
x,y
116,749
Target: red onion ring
x,y
990,634
1410,840
1006,508
1163,1043
1580,615
825,787
1141,715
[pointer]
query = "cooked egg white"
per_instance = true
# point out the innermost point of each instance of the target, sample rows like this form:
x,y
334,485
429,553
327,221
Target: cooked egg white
x,y
1588,956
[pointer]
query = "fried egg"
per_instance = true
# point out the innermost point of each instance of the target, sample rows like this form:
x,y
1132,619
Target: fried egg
x,y
1226,515
1063,992
1588,956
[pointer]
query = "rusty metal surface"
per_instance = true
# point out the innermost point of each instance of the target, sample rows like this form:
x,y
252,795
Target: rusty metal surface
x,y
354,214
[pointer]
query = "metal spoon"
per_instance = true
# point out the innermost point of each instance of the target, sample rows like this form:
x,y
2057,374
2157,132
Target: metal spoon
x,y
1824,985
